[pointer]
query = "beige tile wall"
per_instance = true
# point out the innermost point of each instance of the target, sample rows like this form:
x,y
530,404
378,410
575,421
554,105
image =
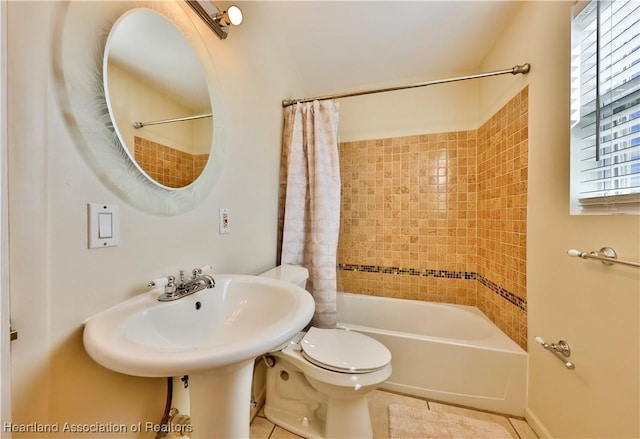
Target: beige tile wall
x,y
440,217
410,203
502,214
166,165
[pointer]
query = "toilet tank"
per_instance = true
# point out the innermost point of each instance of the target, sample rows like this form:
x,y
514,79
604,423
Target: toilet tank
x,y
290,273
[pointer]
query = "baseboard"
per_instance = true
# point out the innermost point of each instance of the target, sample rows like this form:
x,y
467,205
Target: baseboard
x,y
536,425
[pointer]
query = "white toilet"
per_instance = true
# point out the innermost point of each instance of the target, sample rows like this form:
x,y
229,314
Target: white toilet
x,y
318,382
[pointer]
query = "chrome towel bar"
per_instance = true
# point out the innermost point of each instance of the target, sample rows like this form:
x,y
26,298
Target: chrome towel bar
x,y
561,350
606,255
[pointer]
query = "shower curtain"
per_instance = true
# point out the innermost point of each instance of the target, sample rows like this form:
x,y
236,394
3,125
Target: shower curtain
x,y
311,174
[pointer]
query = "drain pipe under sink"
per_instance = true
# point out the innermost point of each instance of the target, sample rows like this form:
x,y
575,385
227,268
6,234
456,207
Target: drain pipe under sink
x,y
175,420
167,409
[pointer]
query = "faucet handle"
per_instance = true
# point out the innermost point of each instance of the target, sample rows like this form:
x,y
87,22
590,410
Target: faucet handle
x,y
170,290
160,282
171,287
201,270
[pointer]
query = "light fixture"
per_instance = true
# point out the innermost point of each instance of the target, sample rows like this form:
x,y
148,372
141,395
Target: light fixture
x,y
217,21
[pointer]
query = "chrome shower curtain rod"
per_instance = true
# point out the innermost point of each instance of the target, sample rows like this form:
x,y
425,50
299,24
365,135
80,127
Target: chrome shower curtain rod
x,y
179,119
524,69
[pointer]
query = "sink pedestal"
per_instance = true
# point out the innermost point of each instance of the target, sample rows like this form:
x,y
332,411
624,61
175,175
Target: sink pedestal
x,y
220,401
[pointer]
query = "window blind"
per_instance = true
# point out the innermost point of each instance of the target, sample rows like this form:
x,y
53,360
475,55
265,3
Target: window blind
x,y
605,84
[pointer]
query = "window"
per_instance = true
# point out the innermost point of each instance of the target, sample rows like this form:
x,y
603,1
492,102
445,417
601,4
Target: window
x,y
605,87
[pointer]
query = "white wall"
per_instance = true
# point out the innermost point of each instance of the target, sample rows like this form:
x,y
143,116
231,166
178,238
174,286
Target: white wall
x,y
431,109
5,363
593,307
56,282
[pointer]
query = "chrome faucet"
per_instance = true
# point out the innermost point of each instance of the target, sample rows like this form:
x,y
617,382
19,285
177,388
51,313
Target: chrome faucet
x,y
185,287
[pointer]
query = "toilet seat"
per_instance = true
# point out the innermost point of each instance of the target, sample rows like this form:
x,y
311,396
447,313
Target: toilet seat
x,y
344,351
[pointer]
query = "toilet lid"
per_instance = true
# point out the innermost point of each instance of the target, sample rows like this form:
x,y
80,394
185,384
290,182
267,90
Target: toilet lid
x,y
344,351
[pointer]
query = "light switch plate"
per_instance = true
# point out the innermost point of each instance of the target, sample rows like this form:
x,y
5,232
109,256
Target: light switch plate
x,y
103,225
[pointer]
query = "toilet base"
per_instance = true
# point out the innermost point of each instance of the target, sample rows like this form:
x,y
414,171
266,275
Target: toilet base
x,y
313,409
311,429
348,418
345,419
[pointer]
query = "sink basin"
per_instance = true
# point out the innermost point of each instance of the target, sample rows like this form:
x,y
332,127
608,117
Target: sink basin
x,y
213,336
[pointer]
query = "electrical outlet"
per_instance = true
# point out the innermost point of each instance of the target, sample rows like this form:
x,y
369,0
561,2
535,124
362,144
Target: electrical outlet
x,y
224,221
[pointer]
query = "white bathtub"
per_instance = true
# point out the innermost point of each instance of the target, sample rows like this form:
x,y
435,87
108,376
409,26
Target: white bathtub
x,y
444,352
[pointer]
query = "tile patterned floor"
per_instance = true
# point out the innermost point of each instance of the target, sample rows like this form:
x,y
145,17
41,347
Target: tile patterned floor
x,y
379,400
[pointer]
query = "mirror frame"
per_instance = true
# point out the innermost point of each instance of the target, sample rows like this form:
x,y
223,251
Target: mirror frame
x,y
80,66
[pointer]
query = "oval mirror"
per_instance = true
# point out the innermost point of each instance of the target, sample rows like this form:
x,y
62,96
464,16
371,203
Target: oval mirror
x,y
158,99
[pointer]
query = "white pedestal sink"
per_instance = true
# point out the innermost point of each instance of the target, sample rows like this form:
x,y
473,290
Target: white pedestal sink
x,y
213,336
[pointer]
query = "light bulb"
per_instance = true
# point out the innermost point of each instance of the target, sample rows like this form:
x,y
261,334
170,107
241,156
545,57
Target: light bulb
x,y
234,15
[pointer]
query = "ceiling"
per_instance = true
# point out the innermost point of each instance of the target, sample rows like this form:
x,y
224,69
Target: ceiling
x,y
338,45
343,45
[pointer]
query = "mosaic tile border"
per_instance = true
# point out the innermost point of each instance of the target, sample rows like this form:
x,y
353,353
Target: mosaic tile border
x,y
446,274
519,302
